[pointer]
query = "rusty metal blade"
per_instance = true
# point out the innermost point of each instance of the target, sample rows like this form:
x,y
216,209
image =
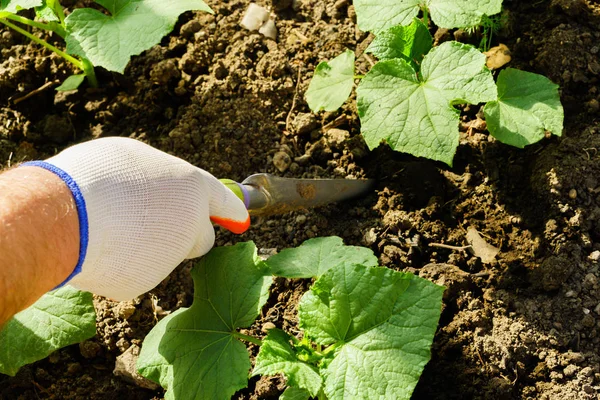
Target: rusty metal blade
x,y
270,194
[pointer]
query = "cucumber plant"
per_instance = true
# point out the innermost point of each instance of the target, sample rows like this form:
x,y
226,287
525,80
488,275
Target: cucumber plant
x,y
93,38
408,97
59,318
366,330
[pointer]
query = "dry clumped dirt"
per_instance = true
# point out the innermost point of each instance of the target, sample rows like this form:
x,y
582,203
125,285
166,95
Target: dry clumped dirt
x,y
523,326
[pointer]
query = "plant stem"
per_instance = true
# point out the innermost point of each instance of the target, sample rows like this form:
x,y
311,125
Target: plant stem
x,y
331,348
426,17
47,45
247,338
358,76
57,7
27,21
88,69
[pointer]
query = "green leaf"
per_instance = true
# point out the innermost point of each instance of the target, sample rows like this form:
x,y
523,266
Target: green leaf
x,y
71,83
315,256
277,356
382,323
332,83
58,319
194,354
377,15
349,300
13,6
294,393
46,13
415,113
460,13
132,27
410,43
528,105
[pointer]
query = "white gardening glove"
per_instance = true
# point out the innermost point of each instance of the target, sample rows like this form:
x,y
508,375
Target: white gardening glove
x,y
144,212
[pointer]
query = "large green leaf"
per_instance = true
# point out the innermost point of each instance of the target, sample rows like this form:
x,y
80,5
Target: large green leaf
x,y
132,27
377,15
528,105
414,113
332,83
58,319
410,43
12,6
277,356
381,323
195,354
315,256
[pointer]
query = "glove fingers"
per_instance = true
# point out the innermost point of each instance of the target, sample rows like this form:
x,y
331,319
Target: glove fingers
x,y
225,208
205,242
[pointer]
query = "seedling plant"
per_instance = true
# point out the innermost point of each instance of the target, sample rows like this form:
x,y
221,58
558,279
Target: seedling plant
x,y
106,38
366,331
408,98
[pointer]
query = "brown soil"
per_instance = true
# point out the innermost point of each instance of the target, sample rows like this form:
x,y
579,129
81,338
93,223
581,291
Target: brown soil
x,y
525,326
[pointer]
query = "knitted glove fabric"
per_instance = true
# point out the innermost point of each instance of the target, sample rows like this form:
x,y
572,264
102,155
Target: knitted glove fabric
x,y
145,212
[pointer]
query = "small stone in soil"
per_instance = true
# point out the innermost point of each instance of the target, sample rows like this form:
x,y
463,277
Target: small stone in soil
x,y
125,367
267,326
304,123
282,161
254,17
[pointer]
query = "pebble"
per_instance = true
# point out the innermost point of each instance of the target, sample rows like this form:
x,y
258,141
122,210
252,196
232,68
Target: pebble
x,y
125,367
595,255
336,137
304,123
254,17
269,30
573,194
300,219
282,161
267,326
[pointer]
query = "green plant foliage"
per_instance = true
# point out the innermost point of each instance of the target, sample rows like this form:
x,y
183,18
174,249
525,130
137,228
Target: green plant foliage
x,y
378,15
12,6
58,319
527,107
414,113
315,256
195,353
277,355
71,83
46,13
294,393
378,325
409,42
376,360
332,83
132,27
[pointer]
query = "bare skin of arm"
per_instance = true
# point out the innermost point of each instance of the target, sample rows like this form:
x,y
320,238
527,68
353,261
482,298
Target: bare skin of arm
x,y
39,237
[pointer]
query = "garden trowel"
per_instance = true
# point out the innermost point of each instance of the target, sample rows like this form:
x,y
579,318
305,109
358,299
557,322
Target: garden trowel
x,y
265,194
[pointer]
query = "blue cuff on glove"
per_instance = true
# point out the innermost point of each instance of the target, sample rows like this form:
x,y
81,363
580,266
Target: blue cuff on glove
x,y
81,212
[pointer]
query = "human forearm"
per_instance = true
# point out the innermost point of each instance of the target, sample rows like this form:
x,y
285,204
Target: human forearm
x,y
39,236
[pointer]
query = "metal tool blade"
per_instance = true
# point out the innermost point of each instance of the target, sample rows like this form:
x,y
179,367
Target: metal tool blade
x,y
268,194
